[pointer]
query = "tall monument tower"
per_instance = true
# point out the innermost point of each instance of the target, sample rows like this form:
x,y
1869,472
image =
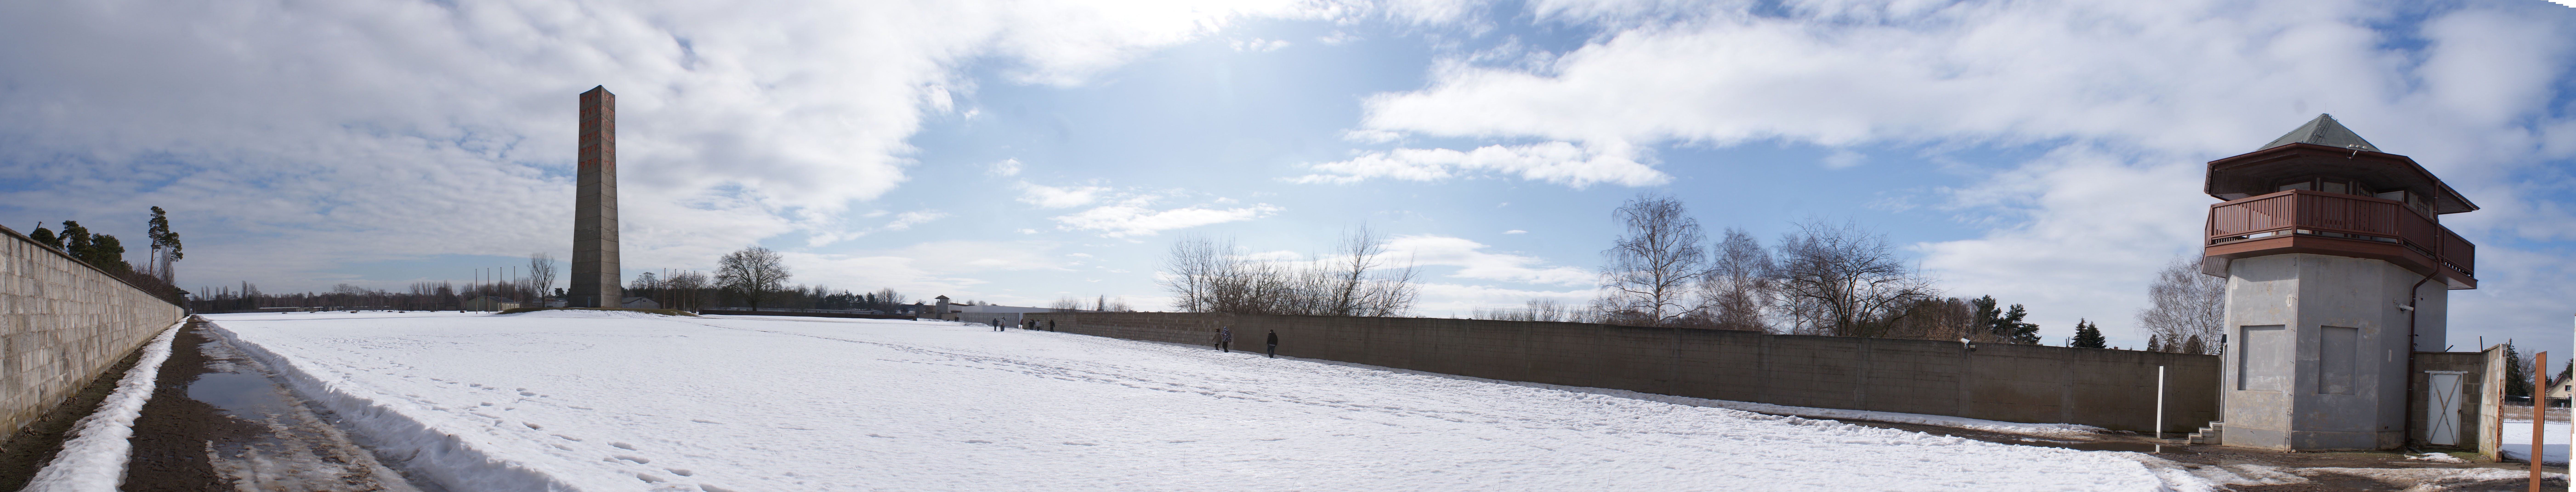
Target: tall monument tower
x,y
594,207
2338,270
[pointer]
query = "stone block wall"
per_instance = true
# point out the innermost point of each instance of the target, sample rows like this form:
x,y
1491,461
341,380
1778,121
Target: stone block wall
x,y
2113,389
62,323
2472,388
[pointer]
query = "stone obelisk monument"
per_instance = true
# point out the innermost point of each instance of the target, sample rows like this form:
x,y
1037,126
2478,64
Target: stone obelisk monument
x,y
594,215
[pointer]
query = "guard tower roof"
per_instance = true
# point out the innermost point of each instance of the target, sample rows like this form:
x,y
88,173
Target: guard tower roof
x,y
2323,130
2323,147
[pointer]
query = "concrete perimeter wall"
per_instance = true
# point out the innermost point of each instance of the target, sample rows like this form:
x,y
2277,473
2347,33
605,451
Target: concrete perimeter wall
x,y
62,323
2114,389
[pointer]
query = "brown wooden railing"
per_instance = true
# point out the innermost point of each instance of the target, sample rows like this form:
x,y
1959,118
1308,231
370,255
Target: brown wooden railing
x,y
2344,216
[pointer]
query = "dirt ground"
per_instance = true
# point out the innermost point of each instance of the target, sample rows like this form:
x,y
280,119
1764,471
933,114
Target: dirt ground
x,y
2224,455
174,435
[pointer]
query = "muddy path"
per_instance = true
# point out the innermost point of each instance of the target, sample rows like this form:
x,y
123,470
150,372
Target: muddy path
x,y
218,421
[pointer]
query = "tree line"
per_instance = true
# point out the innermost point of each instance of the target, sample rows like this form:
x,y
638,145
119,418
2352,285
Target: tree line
x,y
1218,276
1837,279
107,253
1823,278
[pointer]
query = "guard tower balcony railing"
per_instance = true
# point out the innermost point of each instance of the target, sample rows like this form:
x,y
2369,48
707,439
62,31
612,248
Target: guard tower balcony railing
x,y
2300,221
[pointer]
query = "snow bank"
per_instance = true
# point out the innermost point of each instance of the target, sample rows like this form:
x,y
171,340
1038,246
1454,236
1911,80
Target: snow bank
x,y
443,456
617,401
94,461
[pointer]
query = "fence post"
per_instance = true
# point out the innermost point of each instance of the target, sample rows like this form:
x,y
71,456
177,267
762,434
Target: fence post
x,y
2160,403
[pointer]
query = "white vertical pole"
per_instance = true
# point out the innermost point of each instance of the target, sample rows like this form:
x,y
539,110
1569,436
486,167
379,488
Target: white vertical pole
x,y
2160,402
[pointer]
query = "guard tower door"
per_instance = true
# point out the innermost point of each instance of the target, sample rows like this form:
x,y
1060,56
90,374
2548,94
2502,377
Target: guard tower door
x,y
2442,407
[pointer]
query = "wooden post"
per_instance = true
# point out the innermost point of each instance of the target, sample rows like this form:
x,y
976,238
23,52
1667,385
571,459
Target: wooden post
x,y
2539,413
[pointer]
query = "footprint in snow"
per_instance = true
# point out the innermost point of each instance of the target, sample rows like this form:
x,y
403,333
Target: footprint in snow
x,y
624,446
705,421
978,441
637,460
680,471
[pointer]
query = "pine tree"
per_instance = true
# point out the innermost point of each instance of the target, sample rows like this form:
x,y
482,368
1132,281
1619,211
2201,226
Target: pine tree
x,y
2087,335
2517,377
2011,327
2193,345
2152,346
46,237
165,246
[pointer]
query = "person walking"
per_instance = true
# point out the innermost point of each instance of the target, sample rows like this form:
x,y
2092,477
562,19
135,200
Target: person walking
x,y
1274,345
1225,339
997,325
1050,324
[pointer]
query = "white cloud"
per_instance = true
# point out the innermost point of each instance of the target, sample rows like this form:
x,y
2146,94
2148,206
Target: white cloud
x,y
1474,263
1135,217
2076,234
908,219
736,122
1007,167
1515,231
1259,45
2135,96
2194,77
1055,197
1553,162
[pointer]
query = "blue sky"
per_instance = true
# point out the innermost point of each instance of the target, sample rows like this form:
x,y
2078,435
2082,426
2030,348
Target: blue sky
x,y
1019,152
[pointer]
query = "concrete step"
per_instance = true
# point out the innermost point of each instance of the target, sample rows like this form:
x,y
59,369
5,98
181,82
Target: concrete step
x,y
2208,434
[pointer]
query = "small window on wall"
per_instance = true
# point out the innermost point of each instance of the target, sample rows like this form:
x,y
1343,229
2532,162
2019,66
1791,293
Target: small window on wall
x,y
2263,361
2294,186
2334,187
2337,347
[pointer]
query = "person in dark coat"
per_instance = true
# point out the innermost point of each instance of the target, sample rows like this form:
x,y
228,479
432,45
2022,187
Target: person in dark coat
x,y
1225,339
1274,345
1050,325
997,325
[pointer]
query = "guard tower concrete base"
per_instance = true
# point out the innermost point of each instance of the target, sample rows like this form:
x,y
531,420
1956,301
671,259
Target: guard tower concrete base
x,y
2318,350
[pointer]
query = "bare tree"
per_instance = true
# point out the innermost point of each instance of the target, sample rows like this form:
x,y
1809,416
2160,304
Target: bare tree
x,y
752,274
2185,308
685,290
1216,276
541,275
1650,271
1845,281
1738,288
1534,310
1066,305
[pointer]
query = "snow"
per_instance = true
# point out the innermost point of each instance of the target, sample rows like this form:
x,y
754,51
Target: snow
x,y
94,460
2438,458
2517,442
592,400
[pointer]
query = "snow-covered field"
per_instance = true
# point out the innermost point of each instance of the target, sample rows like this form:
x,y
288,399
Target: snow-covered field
x,y
625,401
2517,441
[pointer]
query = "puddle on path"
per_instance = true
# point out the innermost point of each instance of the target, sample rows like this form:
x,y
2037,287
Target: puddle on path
x,y
249,396
301,449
